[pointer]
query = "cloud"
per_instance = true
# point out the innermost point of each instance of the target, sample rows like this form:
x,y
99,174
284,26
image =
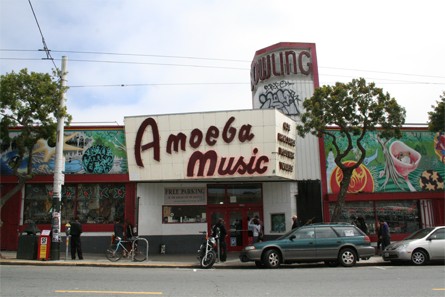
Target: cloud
x,y
400,49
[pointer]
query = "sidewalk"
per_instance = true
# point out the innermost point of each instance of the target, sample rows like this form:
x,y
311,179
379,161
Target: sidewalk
x,y
153,261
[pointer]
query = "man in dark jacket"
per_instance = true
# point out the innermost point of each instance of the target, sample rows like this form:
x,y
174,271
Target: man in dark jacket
x,y
295,222
385,234
76,230
219,232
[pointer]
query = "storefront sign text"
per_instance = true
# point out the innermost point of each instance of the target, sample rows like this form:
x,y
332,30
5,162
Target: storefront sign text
x,y
185,196
286,141
280,64
208,163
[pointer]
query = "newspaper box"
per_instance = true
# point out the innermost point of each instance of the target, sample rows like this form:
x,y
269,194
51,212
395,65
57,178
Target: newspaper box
x,y
44,245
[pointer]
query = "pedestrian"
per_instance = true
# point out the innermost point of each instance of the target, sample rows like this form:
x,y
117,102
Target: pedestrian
x,y
219,232
118,229
75,232
385,235
361,224
254,225
379,238
261,233
130,230
353,219
295,222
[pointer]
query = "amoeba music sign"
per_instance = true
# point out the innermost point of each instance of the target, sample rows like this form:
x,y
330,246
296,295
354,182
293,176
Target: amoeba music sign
x,y
246,145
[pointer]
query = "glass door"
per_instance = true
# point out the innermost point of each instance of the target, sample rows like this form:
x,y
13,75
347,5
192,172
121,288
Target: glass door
x,y
236,223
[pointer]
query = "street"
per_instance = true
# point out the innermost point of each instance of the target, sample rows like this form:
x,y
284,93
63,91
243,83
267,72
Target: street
x,y
307,280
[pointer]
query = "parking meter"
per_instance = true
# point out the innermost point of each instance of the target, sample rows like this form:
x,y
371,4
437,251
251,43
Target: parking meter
x,y
68,234
67,229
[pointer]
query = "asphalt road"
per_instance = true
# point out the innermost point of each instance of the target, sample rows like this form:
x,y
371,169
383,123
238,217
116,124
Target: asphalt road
x,y
307,281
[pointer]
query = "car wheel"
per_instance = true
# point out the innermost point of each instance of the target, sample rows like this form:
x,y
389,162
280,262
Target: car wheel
x,y
331,263
272,259
419,257
347,257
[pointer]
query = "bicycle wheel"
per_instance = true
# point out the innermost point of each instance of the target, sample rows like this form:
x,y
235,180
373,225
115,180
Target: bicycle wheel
x,y
113,253
140,251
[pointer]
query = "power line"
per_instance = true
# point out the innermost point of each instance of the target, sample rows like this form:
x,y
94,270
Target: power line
x,y
134,63
156,84
194,58
381,80
45,47
132,55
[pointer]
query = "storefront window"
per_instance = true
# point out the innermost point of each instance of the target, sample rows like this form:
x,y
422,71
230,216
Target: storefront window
x,y
94,204
68,203
184,214
278,222
353,210
101,204
401,216
38,203
234,194
216,195
246,193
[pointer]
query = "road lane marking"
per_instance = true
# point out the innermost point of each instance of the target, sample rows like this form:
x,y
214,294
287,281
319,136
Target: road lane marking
x,y
108,292
438,289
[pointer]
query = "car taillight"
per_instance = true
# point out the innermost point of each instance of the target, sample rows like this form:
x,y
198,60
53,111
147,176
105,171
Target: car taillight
x,y
367,239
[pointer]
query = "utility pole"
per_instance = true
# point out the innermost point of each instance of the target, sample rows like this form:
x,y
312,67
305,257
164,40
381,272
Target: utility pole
x,y
59,177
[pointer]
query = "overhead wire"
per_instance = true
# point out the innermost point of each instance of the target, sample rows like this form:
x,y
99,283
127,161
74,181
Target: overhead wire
x,y
45,47
385,80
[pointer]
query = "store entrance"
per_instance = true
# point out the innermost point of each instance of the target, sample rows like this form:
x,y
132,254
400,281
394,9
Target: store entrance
x,y
236,220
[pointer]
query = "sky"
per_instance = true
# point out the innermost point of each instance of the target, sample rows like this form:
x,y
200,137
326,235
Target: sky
x,y
147,57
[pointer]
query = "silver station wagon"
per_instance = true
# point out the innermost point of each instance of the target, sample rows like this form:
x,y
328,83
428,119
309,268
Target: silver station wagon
x,y
333,243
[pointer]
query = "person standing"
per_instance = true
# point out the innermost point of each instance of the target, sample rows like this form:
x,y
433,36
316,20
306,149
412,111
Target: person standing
x,y
361,224
75,232
129,230
254,225
385,235
118,229
219,232
379,238
295,222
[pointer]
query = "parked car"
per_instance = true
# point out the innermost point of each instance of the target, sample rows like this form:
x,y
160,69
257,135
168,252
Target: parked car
x,y
422,246
333,243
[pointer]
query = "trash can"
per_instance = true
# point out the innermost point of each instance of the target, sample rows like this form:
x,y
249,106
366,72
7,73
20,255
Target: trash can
x,y
27,248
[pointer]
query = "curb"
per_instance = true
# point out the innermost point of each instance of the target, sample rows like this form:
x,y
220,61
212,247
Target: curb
x,y
153,264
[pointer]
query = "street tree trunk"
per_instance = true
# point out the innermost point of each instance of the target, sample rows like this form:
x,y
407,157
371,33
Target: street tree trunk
x,y
344,184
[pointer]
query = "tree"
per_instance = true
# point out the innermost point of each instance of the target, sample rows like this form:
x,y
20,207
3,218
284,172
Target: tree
x,y
355,108
436,117
31,102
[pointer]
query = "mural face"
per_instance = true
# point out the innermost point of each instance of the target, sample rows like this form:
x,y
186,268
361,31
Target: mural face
x,y
85,152
413,163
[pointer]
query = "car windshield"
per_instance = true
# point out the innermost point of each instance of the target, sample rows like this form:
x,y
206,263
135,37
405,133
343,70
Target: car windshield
x,y
420,233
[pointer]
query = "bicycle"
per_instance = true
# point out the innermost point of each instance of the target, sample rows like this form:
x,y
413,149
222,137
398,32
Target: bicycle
x,y
117,249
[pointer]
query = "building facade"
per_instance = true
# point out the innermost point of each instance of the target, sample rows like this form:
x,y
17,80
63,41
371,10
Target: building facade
x,y
400,180
173,176
96,186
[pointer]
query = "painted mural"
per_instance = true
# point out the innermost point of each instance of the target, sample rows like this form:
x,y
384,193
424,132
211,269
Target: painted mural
x,y
85,151
415,163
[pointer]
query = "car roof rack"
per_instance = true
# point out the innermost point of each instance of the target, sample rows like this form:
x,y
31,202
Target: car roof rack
x,y
330,223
